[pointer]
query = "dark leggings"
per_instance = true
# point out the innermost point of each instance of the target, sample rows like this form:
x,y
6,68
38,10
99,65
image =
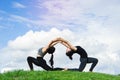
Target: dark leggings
x,y
83,63
39,62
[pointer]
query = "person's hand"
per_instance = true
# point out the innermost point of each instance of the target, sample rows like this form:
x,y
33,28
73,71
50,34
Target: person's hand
x,y
59,41
59,38
63,40
56,39
68,50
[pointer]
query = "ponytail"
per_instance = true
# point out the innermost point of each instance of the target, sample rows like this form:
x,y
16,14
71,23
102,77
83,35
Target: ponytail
x,y
51,61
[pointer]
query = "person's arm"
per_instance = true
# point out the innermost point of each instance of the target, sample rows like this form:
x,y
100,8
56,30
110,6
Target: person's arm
x,y
68,44
54,43
50,44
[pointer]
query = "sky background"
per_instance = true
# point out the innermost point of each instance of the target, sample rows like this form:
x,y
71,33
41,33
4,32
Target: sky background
x,y
27,25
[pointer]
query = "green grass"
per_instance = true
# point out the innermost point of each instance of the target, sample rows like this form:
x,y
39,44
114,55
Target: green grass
x,y
56,75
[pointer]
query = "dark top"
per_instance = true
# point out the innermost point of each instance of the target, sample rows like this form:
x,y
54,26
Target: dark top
x,y
81,52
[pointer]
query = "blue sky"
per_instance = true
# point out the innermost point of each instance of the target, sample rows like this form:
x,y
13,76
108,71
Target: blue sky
x,y
10,29
26,25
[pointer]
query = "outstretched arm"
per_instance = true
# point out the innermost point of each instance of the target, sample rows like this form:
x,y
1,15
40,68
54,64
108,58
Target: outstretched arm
x,y
50,44
67,44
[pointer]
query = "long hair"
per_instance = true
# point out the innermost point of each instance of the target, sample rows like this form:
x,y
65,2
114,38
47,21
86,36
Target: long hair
x,y
51,61
51,50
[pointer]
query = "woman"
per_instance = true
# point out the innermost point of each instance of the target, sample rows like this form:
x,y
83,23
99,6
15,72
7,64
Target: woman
x,y
84,59
39,61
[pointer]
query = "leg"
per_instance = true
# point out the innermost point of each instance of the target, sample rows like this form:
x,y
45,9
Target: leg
x,y
94,61
43,64
83,63
39,62
31,60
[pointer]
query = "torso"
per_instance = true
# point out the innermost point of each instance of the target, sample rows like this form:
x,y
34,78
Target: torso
x,y
40,53
81,52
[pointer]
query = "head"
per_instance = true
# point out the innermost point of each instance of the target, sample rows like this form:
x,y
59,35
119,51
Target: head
x,y
51,50
69,53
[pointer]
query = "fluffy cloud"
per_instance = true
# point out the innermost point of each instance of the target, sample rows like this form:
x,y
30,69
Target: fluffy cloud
x,y
15,54
28,44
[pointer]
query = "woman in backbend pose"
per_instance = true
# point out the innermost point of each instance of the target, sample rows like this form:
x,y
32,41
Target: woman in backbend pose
x,y
39,61
84,59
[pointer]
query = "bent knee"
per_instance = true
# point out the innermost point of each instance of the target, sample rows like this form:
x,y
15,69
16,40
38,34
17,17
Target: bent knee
x,y
29,58
96,60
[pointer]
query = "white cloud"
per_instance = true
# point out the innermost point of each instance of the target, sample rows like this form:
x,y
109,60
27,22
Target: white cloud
x,y
27,45
18,5
74,14
69,13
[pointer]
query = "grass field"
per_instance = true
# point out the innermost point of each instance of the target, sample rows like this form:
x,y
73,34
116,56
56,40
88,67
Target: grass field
x,y
56,75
